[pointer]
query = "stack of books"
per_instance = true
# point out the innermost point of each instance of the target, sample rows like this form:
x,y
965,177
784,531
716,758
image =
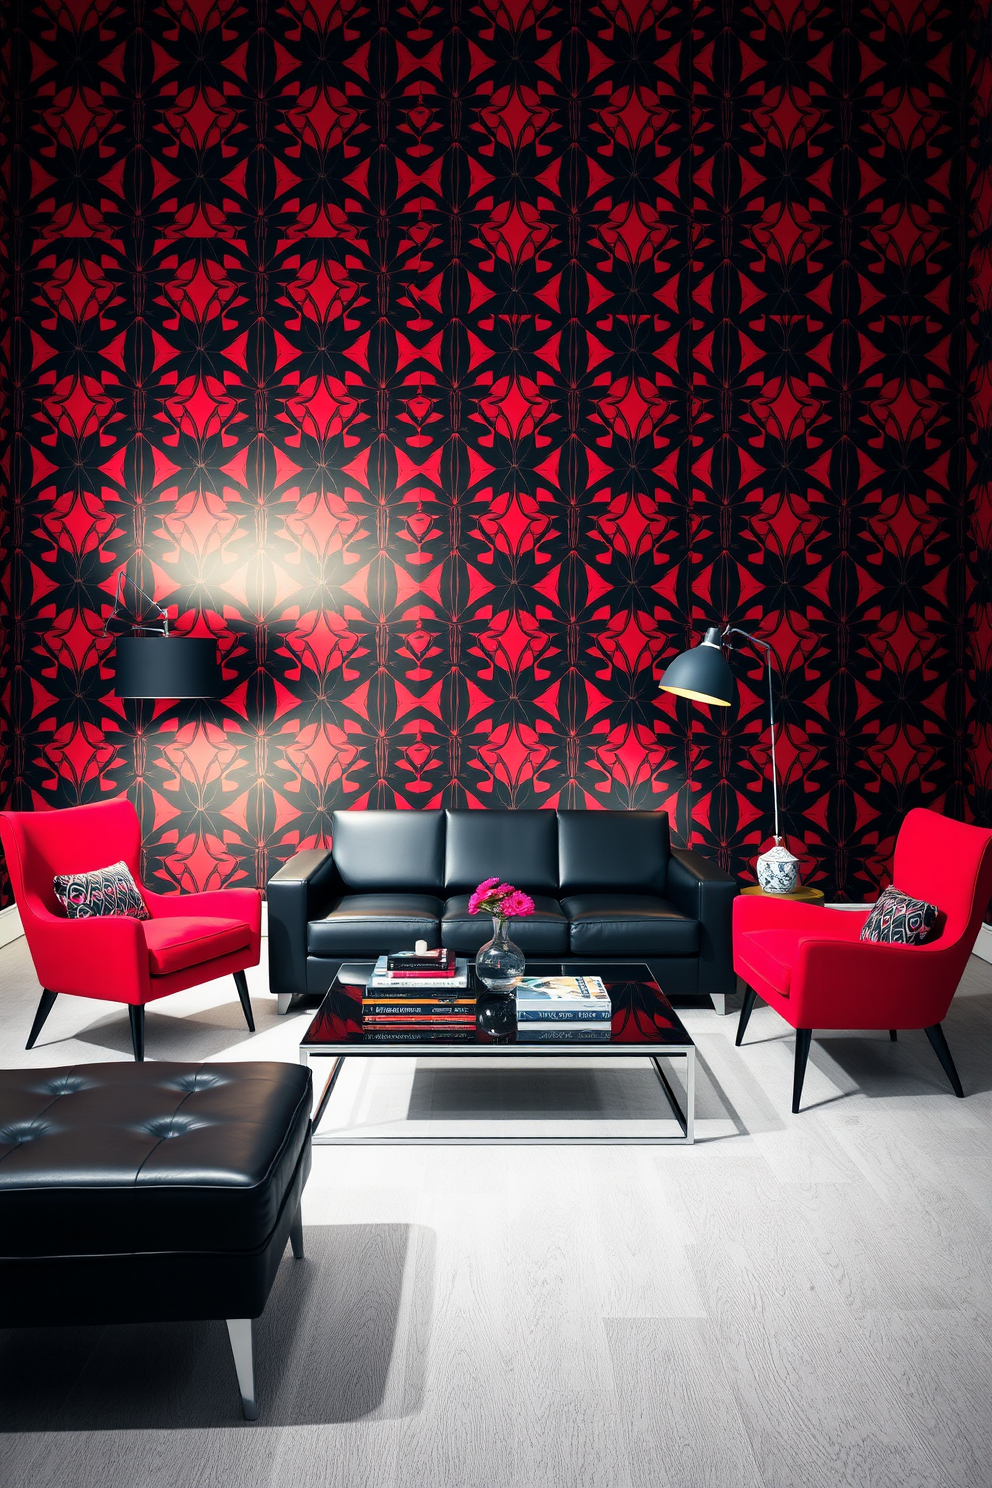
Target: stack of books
x,y
414,993
563,1009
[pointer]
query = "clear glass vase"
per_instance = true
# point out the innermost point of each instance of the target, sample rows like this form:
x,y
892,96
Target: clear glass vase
x,y
499,964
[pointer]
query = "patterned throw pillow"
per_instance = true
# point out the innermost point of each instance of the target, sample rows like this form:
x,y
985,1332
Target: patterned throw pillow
x,y
102,892
896,919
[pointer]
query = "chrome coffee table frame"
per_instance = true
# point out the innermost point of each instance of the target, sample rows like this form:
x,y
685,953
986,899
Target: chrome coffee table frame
x,y
677,1045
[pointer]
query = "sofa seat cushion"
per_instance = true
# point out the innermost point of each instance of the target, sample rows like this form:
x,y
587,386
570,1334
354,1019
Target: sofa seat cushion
x,y
628,924
177,942
373,924
115,1159
544,933
768,954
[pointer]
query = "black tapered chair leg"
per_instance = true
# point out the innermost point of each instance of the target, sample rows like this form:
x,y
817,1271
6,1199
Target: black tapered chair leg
x,y
241,982
747,1007
803,1038
136,1013
939,1044
893,1035
44,1008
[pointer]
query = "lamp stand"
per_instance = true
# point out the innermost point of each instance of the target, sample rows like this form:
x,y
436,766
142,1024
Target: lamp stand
x,y
777,869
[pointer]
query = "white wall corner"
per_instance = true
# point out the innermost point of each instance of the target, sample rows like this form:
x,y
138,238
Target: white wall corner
x,y
10,925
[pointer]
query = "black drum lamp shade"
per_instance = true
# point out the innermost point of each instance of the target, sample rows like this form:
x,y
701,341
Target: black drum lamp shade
x,y
702,674
167,667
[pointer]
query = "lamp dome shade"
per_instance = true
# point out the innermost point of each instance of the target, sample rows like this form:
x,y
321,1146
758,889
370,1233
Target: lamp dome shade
x,y
702,673
167,667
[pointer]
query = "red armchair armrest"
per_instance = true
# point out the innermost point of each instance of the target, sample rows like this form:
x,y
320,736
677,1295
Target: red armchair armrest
x,y
105,958
222,904
858,984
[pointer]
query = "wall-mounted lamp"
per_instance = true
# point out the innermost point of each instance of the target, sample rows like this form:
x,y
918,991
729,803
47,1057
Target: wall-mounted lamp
x,y
157,664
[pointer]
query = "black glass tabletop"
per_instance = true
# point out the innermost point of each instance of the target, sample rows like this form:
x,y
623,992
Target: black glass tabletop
x,y
643,1020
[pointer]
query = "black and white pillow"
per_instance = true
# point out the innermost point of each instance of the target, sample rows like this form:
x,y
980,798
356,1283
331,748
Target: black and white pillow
x,y
896,919
99,893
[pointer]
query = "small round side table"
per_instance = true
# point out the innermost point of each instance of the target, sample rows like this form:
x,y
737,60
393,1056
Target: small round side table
x,y
803,896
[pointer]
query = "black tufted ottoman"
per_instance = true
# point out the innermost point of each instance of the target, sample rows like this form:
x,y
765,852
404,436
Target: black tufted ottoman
x,y
150,1193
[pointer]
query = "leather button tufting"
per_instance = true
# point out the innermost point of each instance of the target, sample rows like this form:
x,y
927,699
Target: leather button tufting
x,y
200,1081
65,1085
103,1169
171,1126
23,1131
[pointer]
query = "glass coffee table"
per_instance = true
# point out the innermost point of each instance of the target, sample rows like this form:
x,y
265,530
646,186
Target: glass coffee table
x,y
644,1026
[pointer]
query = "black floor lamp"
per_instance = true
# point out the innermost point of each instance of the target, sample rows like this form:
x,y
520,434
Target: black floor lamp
x,y
703,675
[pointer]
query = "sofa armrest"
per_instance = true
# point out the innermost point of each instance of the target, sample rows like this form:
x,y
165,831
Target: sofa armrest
x,y
704,891
298,892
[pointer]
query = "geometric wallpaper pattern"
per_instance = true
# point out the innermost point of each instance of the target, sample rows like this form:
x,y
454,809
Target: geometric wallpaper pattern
x,y
980,308
454,365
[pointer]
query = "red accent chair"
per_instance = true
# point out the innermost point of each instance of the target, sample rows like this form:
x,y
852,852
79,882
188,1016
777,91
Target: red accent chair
x,y
809,965
190,938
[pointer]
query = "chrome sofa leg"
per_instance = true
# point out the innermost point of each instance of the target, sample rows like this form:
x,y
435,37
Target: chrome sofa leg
x,y
240,1332
296,1235
282,1002
719,1001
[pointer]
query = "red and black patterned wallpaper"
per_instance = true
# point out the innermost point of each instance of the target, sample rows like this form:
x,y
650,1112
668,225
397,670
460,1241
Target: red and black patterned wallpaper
x,y
455,364
979,617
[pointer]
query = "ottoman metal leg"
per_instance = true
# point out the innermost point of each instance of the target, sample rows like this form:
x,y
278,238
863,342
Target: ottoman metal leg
x,y
296,1235
239,1330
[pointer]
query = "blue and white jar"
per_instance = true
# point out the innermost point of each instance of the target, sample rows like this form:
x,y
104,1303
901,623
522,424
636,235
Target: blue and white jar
x,y
778,870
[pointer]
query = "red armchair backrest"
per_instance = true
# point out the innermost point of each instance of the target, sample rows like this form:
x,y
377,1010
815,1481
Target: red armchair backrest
x,y
39,844
947,863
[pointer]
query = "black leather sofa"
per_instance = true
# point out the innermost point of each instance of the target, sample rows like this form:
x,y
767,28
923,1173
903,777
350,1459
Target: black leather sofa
x,y
608,887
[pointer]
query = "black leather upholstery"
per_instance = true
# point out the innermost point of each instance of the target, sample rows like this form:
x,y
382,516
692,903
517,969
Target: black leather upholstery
x,y
124,1158
700,888
544,933
375,851
149,1287
300,891
632,896
519,847
628,925
612,851
371,924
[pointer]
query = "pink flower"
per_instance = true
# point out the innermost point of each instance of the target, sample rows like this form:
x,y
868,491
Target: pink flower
x,y
483,892
516,905
501,900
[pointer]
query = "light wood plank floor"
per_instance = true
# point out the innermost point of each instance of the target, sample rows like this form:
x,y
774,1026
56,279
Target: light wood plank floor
x,y
795,1302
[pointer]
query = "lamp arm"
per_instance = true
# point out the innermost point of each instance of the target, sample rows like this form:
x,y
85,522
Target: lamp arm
x,y
122,579
756,641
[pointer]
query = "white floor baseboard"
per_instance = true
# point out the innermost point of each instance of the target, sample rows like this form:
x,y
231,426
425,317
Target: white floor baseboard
x,y
983,945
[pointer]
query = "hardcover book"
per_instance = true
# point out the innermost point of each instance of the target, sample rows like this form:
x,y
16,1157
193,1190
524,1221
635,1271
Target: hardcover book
x,y
447,1007
382,980
563,999
564,1033
440,960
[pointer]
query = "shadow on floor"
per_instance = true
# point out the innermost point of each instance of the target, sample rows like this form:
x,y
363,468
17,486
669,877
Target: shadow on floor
x,y
324,1349
463,1092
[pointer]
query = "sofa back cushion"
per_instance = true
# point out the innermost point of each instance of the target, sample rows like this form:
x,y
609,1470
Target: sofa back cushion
x,y
520,847
381,850
613,850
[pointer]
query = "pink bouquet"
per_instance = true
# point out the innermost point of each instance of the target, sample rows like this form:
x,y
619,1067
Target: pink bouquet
x,y
501,900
